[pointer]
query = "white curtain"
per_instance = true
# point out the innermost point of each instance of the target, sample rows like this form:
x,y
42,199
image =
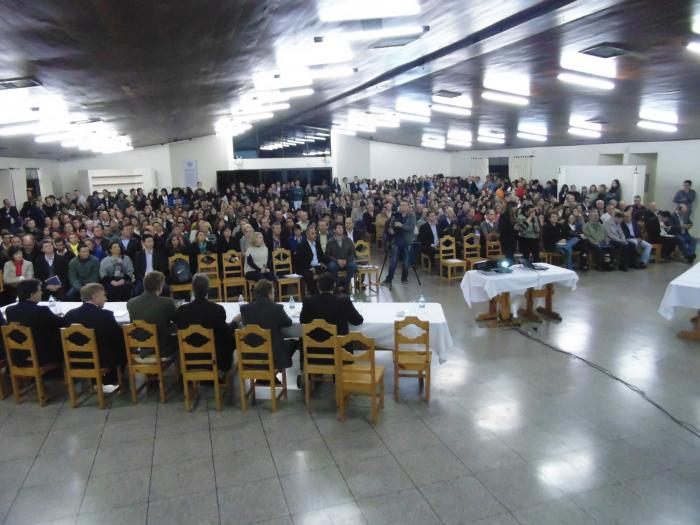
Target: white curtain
x,y
520,167
480,167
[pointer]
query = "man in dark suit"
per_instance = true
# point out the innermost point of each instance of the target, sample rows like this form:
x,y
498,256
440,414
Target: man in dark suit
x,y
43,322
131,245
354,232
108,333
265,313
148,260
334,309
50,264
340,252
153,308
310,259
429,236
9,217
203,312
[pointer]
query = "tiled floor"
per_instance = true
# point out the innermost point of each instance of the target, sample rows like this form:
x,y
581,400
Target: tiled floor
x,y
514,434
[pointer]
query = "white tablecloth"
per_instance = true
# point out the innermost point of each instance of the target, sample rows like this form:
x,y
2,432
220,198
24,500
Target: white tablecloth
x,y
684,291
478,287
379,321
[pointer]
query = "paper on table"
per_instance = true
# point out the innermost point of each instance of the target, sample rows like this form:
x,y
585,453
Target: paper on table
x,y
292,275
120,313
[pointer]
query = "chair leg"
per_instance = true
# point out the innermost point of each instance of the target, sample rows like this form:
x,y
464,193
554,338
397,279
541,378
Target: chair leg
x,y
273,393
40,393
381,399
284,384
100,392
307,390
186,388
396,382
427,383
217,393
161,385
244,399
15,389
374,409
132,385
71,390
341,407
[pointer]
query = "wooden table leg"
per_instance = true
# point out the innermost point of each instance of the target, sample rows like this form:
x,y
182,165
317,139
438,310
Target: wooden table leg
x,y
548,301
529,311
499,312
693,335
492,313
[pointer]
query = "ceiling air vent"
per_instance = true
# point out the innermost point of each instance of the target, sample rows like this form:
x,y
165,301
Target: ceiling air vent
x,y
16,83
447,94
606,50
598,120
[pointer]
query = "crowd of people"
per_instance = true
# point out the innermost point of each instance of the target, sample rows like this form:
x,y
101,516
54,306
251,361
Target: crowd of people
x,y
115,245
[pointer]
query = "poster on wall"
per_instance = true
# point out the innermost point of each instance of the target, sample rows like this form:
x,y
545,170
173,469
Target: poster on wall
x,y
190,169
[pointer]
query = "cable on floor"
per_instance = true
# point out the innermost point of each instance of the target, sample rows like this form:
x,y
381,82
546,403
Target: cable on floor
x,y
641,393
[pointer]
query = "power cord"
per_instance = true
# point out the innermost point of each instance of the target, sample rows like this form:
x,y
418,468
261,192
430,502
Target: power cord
x,y
683,424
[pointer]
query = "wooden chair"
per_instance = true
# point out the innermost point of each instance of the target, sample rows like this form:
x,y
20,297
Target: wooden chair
x,y
556,258
656,253
142,335
493,250
380,227
426,262
3,369
282,267
178,288
255,362
208,264
363,257
319,354
412,362
198,362
82,361
232,266
358,373
451,268
23,362
470,251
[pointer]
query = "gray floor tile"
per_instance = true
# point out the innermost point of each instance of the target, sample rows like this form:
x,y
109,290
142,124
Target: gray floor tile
x,y
299,456
12,474
459,498
356,446
70,440
120,458
57,468
292,428
574,472
406,435
176,448
518,486
343,514
407,507
431,464
130,515
671,495
554,512
231,417
46,502
27,447
244,466
242,437
501,519
121,431
315,489
252,502
177,479
197,507
176,422
485,453
617,505
111,491
374,477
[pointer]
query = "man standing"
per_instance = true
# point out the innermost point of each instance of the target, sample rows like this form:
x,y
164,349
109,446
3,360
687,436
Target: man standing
x,y
686,196
340,252
83,269
401,226
153,308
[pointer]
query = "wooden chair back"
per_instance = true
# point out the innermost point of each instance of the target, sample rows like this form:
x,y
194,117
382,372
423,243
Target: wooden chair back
x,y
198,361
139,335
470,247
282,262
410,361
80,354
401,340
208,264
232,264
318,348
447,248
20,349
358,367
493,249
363,252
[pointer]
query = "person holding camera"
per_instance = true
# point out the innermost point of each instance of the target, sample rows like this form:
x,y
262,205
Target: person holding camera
x,y
401,226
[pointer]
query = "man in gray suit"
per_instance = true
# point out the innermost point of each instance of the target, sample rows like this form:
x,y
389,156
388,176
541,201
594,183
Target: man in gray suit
x,y
340,252
153,308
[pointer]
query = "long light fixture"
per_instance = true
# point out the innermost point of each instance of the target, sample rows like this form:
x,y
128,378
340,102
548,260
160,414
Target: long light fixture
x,y
313,54
583,123
340,10
414,107
413,118
669,117
376,34
332,72
451,110
274,96
281,79
490,140
505,98
586,81
657,126
461,101
459,143
592,65
253,109
588,133
531,136
433,144
344,131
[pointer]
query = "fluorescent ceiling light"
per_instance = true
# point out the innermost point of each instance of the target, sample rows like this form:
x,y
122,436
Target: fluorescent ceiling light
x,y
694,47
451,110
533,127
332,72
252,117
432,138
32,129
239,111
313,54
54,137
413,118
531,136
581,122
376,34
459,143
433,144
588,133
414,107
593,65
505,98
272,96
490,140
459,135
669,117
657,126
339,10
515,83
344,131
361,128
582,80
286,78
462,101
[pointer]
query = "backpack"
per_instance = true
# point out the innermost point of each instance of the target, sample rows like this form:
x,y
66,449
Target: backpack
x,y
180,272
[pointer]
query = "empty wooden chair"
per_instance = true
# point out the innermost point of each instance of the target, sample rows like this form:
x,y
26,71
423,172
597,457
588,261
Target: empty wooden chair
x,y
282,267
140,336
451,268
82,361
357,373
233,282
23,362
470,251
412,355
367,275
318,339
255,363
656,253
493,250
183,287
208,264
198,362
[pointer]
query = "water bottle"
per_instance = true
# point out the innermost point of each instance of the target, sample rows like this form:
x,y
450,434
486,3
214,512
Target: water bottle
x,y
292,304
421,301
52,303
241,300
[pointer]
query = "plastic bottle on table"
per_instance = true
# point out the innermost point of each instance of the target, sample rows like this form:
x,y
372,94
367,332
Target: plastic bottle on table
x,y
421,301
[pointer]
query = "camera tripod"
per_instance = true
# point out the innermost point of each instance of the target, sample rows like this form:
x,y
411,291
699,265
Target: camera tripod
x,y
389,244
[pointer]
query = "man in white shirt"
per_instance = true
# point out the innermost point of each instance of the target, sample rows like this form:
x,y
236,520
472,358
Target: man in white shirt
x,y
353,234
609,213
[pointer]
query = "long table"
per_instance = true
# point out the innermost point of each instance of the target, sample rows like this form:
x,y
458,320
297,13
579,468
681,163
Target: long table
x,y
378,321
683,291
497,289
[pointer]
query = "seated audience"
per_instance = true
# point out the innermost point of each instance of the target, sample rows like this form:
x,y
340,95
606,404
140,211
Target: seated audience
x,y
594,234
83,269
633,235
340,252
680,228
52,266
147,260
488,231
153,308
117,273
615,237
337,310
258,262
310,260
428,236
17,269
557,237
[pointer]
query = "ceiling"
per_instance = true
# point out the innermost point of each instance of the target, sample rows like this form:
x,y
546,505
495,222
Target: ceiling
x,y
164,71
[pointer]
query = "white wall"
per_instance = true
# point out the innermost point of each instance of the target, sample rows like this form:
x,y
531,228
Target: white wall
x,y
212,154
390,161
350,156
282,163
16,190
631,178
